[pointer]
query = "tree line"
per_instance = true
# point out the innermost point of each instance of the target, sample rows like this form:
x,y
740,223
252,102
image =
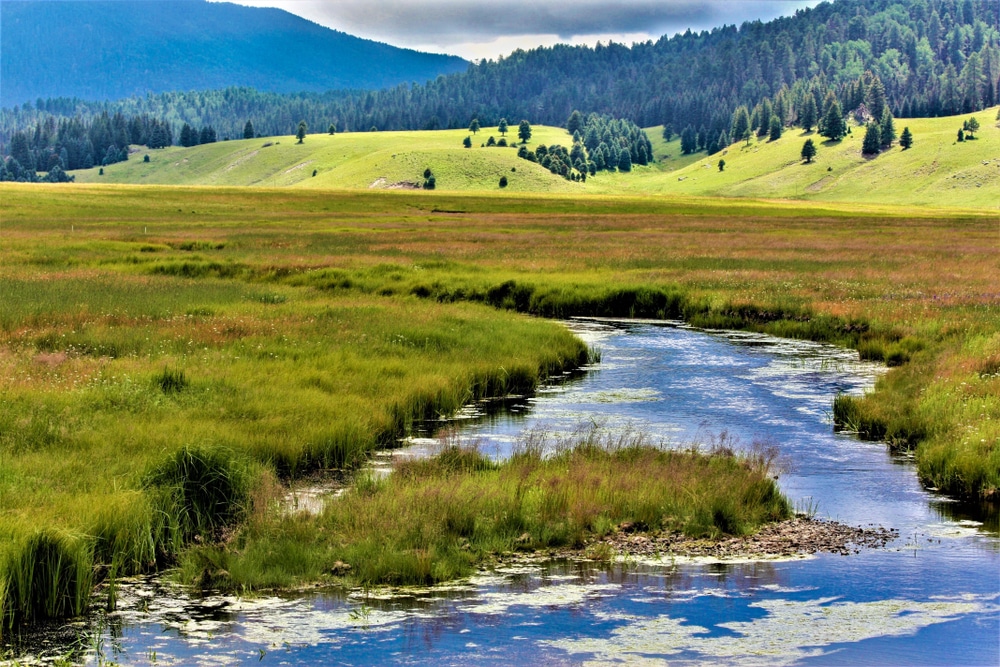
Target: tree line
x,y
932,57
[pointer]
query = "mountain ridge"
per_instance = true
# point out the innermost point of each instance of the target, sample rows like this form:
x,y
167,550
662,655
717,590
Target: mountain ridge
x,y
112,49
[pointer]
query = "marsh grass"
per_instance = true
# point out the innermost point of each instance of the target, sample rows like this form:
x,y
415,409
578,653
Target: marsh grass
x,y
439,518
311,327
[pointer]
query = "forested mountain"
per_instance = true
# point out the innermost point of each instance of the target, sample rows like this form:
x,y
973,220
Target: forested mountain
x,y
105,50
913,58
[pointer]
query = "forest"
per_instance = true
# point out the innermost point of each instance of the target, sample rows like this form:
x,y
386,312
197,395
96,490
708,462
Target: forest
x,y
930,57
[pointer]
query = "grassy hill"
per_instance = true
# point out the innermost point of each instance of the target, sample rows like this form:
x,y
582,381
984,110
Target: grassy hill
x,y
937,171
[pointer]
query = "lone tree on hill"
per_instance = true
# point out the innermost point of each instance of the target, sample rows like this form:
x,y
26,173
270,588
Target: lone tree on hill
x,y
906,138
474,126
834,128
300,134
467,142
502,127
970,126
722,165
248,131
873,140
503,181
332,129
524,131
808,151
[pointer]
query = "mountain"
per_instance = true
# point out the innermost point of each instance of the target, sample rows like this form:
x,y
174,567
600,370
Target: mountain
x,y
104,50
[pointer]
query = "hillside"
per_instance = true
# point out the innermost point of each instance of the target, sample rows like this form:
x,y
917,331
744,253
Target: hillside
x,y
103,50
937,171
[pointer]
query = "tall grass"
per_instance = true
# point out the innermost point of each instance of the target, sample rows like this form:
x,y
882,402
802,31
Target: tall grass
x,y
298,330
439,518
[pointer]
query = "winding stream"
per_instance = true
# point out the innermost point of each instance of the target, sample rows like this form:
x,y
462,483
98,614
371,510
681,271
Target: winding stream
x,y
931,597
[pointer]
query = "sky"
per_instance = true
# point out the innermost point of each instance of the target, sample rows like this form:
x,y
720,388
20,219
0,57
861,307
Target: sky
x,y
477,29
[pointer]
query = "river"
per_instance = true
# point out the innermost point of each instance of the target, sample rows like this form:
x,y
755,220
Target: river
x,y
931,597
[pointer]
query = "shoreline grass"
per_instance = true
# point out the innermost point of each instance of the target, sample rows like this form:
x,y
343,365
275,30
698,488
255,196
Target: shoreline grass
x,y
441,518
298,329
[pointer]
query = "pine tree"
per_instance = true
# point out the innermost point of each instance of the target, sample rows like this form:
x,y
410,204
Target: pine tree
x,y
808,115
775,128
474,126
575,122
740,126
834,127
523,131
332,129
906,138
502,127
873,140
971,126
300,133
808,151
248,131
467,142
722,165
887,128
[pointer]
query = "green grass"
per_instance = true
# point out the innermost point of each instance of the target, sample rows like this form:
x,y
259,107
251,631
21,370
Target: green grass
x,y
937,171
357,160
438,519
239,334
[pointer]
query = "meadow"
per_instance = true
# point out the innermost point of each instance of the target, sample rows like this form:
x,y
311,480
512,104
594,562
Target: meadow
x,y
158,342
937,171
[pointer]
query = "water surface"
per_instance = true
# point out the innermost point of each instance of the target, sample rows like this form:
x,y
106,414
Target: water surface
x,y
932,597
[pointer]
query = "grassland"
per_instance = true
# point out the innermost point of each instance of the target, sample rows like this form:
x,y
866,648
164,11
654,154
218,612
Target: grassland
x,y
154,335
938,171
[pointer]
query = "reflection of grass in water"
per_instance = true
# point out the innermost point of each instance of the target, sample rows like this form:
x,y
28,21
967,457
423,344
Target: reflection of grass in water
x,y
439,518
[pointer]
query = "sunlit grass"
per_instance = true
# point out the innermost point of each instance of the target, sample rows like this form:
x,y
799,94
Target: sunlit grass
x,y
299,329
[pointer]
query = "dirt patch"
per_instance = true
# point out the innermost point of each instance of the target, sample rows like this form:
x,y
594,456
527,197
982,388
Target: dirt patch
x,y
297,167
820,184
382,184
800,536
240,160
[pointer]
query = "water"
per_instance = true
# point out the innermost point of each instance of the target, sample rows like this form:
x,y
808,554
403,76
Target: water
x,y
932,597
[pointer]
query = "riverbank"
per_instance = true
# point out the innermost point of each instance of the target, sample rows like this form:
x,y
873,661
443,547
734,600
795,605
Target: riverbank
x,y
293,330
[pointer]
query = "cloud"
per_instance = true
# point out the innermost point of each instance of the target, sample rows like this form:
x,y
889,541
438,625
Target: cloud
x,y
447,23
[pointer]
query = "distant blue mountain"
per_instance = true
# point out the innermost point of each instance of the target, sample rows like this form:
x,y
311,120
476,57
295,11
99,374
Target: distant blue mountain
x,y
104,50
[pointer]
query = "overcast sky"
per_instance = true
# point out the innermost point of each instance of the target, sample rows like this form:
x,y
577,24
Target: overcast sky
x,y
485,29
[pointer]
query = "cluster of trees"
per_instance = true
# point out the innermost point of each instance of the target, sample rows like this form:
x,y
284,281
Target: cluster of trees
x,y
192,137
599,143
969,129
75,143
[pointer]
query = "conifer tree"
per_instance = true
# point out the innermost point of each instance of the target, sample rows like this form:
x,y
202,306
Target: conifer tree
x,y
502,127
474,126
808,151
887,128
834,128
775,128
523,131
906,138
248,131
873,140
808,115
300,133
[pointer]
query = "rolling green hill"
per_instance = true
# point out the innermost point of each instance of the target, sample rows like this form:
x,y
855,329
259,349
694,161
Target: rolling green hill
x,y
937,171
